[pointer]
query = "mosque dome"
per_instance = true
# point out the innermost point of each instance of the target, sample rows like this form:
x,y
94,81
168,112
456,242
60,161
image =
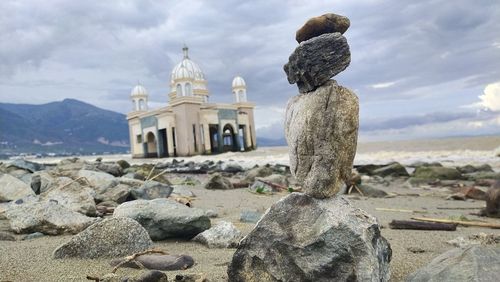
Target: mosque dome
x,y
187,69
139,90
238,82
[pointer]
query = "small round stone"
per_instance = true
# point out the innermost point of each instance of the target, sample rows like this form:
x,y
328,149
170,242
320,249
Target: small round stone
x,y
327,23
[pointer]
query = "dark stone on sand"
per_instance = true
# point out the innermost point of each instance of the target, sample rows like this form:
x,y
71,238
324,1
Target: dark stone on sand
x,y
327,23
434,173
218,182
158,262
395,170
317,60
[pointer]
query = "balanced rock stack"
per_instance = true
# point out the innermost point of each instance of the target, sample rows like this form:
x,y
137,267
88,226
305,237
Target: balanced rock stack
x,y
316,235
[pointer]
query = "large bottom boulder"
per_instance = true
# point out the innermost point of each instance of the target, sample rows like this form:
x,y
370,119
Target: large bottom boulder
x,y
301,238
111,237
473,263
46,217
165,218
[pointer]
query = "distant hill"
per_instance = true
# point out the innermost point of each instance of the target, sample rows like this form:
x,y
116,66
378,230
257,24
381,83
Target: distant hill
x,y
69,126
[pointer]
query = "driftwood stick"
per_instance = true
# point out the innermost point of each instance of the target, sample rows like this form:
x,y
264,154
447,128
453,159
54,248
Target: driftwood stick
x,y
134,256
151,172
274,185
75,180
459,208
159,174
93,278
359,190
416,225
459,222
399,210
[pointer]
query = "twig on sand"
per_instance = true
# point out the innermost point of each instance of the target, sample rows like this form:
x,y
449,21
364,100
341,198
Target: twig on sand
x,y
274,185
417,225
159,174
134,256
459,208
459,222
151,172
399,210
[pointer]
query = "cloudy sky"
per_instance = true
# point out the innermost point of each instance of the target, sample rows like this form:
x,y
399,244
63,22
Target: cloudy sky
x,y
421,69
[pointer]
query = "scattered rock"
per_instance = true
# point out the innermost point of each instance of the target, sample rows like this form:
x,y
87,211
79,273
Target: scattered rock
x,y
4,236
46,217
321,129
301,238
110,237
472,193
191,278
26,165
111,168
183,191
123,164
492,201
481,175
415,250
231,168
118,194
152,190
69,167
327,23
32,236
211,214
12,188
395,169
260,187
222,235
474,263
472,169
475,239
316,60
74,197
276,179
157,262
165,218
98,180
369,191
250,216
261,171
436,172
218,182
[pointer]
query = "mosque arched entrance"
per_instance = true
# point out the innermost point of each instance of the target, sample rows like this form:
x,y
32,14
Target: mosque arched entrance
x,y
151,150
229,140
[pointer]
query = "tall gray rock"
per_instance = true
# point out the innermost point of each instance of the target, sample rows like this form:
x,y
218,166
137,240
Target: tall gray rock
x,y
301,238
321,129
317,60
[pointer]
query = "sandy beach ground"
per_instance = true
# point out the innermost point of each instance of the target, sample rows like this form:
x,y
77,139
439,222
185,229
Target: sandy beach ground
x,y
32,260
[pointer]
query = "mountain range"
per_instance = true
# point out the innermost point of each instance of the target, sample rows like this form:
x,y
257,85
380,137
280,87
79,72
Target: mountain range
x,y
69,126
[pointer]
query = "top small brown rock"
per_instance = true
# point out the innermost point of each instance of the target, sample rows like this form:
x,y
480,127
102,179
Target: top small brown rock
x,y
327,23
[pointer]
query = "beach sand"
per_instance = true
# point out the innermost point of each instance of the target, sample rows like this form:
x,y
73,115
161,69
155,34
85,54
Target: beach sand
x,y
32,260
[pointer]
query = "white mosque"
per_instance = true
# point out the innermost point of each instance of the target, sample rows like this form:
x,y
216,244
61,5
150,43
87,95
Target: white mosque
x,y
190,124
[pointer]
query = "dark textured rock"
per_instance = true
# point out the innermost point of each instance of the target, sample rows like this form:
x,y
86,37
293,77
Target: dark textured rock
x,y
321,129
317,60
112,168
123,164
301,238
492,201
434,173
394,169
26,165
472,169
262,171
165,218
218,182
327,23
158,262
111,237
473,263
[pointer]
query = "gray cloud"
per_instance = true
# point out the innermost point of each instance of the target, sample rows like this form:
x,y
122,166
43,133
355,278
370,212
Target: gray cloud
x,y
95,50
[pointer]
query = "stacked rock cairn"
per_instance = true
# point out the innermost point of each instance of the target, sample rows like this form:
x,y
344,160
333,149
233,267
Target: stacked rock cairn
x,y
317,235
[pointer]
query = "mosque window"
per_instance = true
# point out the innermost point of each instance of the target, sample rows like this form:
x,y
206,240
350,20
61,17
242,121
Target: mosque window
x,y
188,89
139,138
179,90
